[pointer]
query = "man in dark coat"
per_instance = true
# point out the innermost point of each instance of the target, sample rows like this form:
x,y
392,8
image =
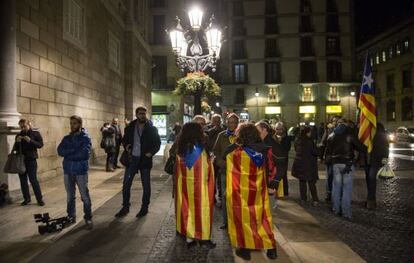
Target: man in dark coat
x,y
28,141
380,151
281,151
212,133
142,142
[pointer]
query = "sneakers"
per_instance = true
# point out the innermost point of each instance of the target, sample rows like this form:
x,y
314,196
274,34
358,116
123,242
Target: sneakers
x,y
71,220
123,212
89,224
243,253
25,202
143,212
271,254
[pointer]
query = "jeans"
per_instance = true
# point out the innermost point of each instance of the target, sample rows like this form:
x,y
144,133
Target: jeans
x,y
282,169
129,175
110,160
342,190
70,185
329,179
371,179
31,174
223,204
312,188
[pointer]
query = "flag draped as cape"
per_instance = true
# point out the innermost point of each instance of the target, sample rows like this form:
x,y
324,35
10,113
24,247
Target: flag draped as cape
x,y
249,217
194,198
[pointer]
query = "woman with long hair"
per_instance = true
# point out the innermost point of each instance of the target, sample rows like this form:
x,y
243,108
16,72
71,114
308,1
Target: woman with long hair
x,y
250,224
305,165
194,186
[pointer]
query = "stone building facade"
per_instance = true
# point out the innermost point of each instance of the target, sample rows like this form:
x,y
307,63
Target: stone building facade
x,y
289,60
86,57
392,57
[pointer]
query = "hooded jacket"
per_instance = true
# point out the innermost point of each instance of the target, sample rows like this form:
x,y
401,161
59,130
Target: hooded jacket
x,y
75,150
341,145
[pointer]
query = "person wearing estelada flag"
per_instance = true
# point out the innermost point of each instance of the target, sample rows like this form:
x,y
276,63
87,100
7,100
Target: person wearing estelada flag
x,y
194,186
250,224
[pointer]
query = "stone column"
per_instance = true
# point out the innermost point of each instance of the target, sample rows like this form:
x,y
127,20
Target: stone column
x,y
8,100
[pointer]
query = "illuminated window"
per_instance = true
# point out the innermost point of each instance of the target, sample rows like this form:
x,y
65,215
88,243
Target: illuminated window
x,y
333,93
307,94
384,56
391,116
273,94
377,58
406,45
390,52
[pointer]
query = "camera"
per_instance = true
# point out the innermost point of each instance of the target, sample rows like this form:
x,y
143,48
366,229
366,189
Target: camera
x,y
48,225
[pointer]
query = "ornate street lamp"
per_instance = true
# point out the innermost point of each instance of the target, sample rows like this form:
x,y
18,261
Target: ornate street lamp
x,y
186,44
190,54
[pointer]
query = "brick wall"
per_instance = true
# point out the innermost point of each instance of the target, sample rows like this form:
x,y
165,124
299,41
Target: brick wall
x,y
56,79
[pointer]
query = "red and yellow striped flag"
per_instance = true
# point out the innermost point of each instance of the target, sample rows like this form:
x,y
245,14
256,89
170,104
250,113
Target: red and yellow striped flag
x,y
194,198
367,107
249,217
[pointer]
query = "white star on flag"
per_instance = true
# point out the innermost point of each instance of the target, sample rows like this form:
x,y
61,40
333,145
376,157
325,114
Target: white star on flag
x,y
368,80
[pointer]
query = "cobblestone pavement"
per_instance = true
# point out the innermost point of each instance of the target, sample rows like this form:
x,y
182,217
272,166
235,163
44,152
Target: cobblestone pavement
x,y
171,248
384,235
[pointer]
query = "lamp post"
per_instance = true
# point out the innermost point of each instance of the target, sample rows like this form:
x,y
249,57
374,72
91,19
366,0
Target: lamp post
x,y
257,94
187,47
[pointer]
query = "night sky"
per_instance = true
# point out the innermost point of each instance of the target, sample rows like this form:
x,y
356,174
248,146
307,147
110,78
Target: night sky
x,y
374,16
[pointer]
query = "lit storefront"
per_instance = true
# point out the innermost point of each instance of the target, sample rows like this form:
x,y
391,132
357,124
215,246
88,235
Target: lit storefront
x,y
307,114
333,110
273,113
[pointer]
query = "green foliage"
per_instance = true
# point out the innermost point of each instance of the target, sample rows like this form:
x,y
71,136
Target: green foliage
x,y
197,82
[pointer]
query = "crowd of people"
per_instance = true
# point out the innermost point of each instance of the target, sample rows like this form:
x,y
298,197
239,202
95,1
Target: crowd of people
x,y
240,168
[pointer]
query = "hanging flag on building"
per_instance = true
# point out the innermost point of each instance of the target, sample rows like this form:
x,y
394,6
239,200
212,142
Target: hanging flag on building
x,y
367,108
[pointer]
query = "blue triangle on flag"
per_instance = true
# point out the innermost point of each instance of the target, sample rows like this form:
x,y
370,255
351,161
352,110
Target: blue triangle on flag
x,y
256,157
191,157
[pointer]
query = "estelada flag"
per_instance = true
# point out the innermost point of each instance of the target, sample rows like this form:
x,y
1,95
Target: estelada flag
x,y
194,198
249,218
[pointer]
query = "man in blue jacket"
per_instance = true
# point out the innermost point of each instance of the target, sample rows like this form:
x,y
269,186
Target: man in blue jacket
x,y
75,149
142,142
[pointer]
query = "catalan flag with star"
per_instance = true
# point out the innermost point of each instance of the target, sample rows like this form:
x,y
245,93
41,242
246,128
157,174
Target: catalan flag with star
x,y
367,108
249,218
194,199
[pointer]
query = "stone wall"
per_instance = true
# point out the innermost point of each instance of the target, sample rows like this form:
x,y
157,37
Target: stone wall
x,y
56,79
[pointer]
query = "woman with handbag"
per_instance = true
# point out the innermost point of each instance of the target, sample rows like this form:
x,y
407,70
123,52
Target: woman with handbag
x,y
27,143
108,143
